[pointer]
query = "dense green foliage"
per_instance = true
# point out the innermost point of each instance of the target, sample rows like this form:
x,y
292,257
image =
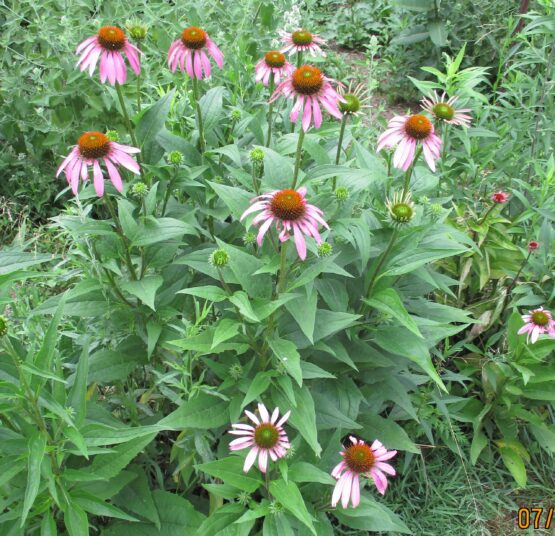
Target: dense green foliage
x,y
136,327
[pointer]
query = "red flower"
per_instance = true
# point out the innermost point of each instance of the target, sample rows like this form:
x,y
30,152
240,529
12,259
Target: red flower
x,y
533,245
500,197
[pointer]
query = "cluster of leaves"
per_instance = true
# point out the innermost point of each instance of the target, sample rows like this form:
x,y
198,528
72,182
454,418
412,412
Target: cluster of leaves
x,y
114,411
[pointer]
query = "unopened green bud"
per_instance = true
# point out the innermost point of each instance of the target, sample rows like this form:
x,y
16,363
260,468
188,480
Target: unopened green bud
x,y
219,258
243,498
325,249
249,238
342,193
423,200
275,508
436,209
175,158
236,371
136,29
139,189
236,114
112,135
257,155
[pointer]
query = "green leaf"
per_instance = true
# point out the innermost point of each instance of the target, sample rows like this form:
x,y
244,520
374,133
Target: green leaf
x,y
225,329
108,465
388,431
438,33
77,396
514,463
9,468
107,366
388,301
36,449
154,231
258,386
415,5
330,322
203,411
76,521
137,497
144,289
153,331
303,417
286,352
306,472
98,507
303,310
43,359
230,470
371,516
290,497
12,261
242,301
211,105
402,342
479,442
150,124
236,199
208,292
221,521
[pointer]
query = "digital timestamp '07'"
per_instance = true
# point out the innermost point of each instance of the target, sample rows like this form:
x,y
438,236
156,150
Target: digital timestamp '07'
x,y
534,517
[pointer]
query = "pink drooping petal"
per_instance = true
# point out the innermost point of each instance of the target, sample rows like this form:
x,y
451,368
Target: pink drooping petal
x,y
355,491
205,64
263,230
250,459
379,479
74,153
133,58
263,460
307,114
98,179
189,64
346,493
215,52
241,443
197,64
338,490
316,112
114,175
103,66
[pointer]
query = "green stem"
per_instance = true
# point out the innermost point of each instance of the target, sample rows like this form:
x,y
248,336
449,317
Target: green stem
x,y
488,211
119,230
383,258
255,180
298,157
282,269
128,123
270,110
169,191
339,144
254,19
199,116
299,59
409,171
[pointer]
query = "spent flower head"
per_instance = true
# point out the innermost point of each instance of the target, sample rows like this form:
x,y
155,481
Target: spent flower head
x,y
356,99
443,109
219,258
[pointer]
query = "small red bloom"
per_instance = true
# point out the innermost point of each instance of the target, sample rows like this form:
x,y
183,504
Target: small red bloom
x,y
533,245
500,197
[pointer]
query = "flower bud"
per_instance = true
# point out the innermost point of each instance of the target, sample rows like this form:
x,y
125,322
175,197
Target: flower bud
x,y
325,249
236,114
256,156
140,190
175,158
3,325
342,193
136,29
249,238
112,135
219,258
236,371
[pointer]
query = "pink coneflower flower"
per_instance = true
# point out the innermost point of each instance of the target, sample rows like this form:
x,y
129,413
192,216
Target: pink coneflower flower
x,y
499,197
273,62
445,110
91,149
266,438
188,53
406,131
533,245
291,212
538,322
301,41
109,45
311,88
360,459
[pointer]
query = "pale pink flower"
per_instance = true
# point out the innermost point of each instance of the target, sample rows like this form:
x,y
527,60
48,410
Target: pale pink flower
x,y
93,148
445,110
538,322
405,131
500,197
273,62
291,213
188,52
109,45
359,458
301,41
311,88
266,438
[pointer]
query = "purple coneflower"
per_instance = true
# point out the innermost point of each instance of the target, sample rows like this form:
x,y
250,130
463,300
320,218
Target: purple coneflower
x,y
301,41
445,110
360,459
93,148
291,213
273,62
109,45
311,88
538,322
405,131
266,438
188,52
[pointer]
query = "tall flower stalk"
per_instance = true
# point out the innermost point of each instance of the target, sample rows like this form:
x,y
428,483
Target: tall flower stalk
x,y
200,123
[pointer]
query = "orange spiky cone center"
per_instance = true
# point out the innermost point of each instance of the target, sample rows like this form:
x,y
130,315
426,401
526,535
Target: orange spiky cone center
x,y
274,58
308,80
288,205
194,37
359,458
111,37
93,145
418,127
266,435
